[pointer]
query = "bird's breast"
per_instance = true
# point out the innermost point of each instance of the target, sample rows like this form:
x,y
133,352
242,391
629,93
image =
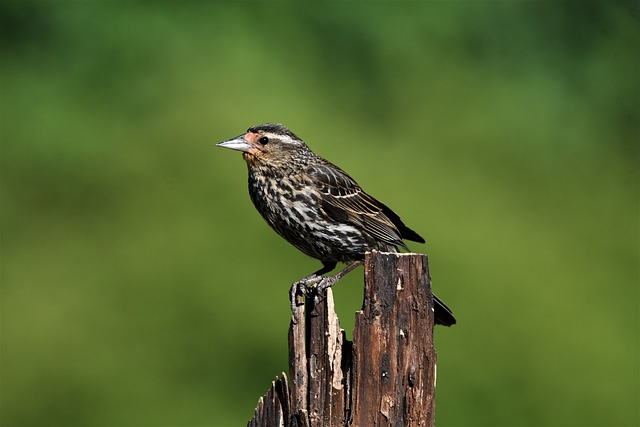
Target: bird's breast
x,y
284,198
293,208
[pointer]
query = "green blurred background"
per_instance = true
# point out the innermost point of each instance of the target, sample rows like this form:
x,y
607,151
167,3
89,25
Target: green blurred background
x,y
141,288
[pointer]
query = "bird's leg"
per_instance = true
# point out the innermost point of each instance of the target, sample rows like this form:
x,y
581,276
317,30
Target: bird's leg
x,y
327,282
304,285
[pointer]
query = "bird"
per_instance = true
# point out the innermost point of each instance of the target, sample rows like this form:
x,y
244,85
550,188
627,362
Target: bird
x,y
319,208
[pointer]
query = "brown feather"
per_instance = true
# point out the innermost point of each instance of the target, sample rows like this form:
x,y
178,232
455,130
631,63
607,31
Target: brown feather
x,y
344,199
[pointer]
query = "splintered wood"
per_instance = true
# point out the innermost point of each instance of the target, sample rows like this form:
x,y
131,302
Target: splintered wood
x,y
386,377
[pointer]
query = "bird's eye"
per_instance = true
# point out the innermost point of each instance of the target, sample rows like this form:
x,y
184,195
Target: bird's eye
x,y
264,140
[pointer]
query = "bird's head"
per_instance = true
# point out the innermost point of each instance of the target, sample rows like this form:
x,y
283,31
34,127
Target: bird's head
x,y
270,143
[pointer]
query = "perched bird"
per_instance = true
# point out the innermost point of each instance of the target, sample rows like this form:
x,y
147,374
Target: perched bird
x,y
319,208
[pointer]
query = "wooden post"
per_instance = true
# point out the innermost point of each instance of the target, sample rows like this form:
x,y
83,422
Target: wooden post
x,y
386,377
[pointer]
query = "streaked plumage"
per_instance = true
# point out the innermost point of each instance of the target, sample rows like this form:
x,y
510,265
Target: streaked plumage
x,y
316,206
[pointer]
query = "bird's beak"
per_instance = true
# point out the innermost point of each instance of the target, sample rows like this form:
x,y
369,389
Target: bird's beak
x,y
239,143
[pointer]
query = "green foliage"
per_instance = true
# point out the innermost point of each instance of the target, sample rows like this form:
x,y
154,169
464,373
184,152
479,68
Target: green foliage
x,y
140,287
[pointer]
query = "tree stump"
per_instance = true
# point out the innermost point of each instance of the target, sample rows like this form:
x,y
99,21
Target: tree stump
x,y
386,377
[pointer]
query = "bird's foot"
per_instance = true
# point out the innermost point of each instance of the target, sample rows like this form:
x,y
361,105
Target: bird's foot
x,y
326,283
305,287
315,285
329,281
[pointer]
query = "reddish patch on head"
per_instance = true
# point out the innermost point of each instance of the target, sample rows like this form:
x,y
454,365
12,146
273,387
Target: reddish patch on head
x,y
252,138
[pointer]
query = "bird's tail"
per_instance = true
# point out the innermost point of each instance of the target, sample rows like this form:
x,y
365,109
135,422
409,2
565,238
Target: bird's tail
x,y
441,313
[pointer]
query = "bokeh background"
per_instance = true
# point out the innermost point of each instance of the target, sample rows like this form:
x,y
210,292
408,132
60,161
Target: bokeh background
x,y
141,288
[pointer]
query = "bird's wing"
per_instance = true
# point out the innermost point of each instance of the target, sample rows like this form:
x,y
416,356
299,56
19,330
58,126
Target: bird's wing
x,y
344,201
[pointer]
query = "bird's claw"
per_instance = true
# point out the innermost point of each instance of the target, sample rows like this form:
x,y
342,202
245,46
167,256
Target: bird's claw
x,y
310,287
306,287
326,283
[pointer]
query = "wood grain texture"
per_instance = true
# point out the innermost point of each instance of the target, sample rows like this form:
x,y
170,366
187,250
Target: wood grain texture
x,y
394,358
386,377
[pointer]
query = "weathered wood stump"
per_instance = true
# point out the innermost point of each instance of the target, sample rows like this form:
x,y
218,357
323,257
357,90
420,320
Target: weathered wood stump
x,y
387,376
